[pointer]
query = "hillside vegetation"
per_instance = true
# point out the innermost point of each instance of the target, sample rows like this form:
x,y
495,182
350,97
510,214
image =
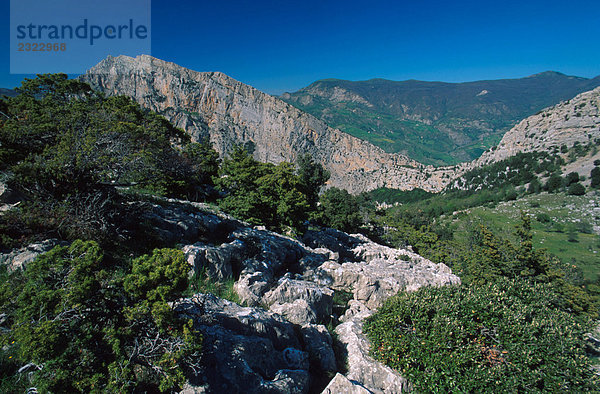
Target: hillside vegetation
x,y
526,257
95,314
434,122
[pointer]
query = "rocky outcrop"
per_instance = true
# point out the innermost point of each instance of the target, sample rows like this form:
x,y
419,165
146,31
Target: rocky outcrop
x,y
317,300
371,374
569,122
19,258
278,342
244,349
375,272
211,104
341,384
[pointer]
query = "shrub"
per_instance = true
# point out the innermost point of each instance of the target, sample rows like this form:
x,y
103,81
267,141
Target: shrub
x,y
572,177
534,186
576,189
339,210
543,218
506,336
263,193
595,178
86,325
554,183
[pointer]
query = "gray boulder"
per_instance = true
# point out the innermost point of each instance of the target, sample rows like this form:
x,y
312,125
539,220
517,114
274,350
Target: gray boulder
x,y
244,349
297,312
218,262
362,368
251,286
341,384
318,298
319,345
19,258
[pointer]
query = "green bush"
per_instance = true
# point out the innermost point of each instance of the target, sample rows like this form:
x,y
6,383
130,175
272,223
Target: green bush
x,y
572,177
68,147
87,325
543,218
576,189
339,210
595,178
506,336
263,193
554,183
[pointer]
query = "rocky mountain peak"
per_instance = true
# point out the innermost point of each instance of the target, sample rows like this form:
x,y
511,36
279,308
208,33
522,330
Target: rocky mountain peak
x,y
211,104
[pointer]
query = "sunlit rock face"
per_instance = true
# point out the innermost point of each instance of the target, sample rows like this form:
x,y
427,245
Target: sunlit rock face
x,y
211,104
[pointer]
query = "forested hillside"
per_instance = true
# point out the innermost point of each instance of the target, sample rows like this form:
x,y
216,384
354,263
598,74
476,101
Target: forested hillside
x,y
434,122
120,240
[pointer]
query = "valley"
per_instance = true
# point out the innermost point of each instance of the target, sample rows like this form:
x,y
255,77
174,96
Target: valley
x,y
434,123
169,223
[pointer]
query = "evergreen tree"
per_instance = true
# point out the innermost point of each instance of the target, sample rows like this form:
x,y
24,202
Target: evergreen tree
x,y
595,178
312,178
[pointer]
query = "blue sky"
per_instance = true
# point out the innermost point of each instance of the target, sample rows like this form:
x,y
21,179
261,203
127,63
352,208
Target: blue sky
x,y
281,45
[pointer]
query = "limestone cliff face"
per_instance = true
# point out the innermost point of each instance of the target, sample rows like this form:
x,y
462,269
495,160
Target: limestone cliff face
x,y
571,121
575,120
230,112
213,105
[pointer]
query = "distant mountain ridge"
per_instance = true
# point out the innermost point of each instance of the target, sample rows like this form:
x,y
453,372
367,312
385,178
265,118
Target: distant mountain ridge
x,y
7,92
434,122
213,105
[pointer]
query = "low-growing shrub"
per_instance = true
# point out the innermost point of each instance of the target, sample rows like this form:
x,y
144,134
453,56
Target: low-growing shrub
x,y
506,336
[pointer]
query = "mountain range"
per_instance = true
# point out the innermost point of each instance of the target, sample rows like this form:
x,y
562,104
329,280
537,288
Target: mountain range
x,y
213,105
228,112
434,123
7,92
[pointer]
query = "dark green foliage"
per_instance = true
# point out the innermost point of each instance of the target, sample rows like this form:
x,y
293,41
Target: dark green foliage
x,y
571,178
91,326
553,184
543,218
391,196
67,148
263,193
595,178
576,189
505,336
312,178
159,277
515,171
534,186
339,210
62,138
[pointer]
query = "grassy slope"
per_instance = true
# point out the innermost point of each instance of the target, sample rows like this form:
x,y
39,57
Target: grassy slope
x,y
565,212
